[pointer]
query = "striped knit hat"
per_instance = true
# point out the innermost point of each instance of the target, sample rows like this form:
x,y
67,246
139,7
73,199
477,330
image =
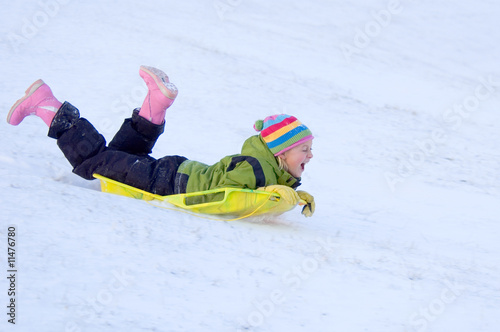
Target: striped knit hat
x,y
282,132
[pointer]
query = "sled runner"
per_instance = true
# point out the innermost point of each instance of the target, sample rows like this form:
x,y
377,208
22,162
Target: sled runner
x,y
236,202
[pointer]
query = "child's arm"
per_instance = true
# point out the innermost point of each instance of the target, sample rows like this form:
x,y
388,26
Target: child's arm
x,y
293,197
286,193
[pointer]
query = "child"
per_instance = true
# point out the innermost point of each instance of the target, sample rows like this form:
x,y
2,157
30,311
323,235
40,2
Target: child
x,y
272,161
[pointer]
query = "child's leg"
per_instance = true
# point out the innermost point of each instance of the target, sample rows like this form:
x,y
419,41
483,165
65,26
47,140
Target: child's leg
x,y
156,176
86,151
161,94
76,137
38,101
136,135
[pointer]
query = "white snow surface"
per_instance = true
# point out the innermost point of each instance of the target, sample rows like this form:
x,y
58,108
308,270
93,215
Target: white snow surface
x,y
403,99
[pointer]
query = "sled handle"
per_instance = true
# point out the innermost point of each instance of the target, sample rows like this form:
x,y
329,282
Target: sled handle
x,y
180,199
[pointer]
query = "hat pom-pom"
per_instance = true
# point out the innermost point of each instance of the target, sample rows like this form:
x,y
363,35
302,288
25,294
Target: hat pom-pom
x,y
259,125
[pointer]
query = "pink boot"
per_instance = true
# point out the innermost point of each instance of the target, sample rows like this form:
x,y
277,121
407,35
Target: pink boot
x,y
39,101
161,94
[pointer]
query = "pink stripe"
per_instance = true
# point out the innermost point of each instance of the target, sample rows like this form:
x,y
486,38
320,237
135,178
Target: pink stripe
x,y
277,126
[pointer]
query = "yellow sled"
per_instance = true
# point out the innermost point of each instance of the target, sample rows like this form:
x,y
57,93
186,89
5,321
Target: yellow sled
x,y
224,201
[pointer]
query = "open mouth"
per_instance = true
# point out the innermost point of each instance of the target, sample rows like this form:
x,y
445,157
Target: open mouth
x,y
303,166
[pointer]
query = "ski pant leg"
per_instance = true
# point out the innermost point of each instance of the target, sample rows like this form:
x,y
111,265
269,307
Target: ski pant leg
x,y
136,135
86,151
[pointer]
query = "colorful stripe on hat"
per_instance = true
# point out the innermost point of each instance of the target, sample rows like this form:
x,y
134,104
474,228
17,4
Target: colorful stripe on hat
x,y
282,132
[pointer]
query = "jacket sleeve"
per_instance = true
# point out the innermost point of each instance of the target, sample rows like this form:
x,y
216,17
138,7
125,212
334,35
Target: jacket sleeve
x,y
243,172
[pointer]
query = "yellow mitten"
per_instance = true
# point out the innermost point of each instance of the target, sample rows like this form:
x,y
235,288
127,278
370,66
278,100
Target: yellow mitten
x,y
286,193
309,208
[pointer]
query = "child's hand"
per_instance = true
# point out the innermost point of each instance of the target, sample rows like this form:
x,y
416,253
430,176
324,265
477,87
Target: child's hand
x,y
286,193
309,208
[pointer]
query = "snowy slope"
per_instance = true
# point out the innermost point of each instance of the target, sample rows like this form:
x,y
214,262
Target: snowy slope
x,y
402,97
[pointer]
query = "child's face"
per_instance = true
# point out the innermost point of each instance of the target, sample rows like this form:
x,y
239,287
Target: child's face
x,y
297,158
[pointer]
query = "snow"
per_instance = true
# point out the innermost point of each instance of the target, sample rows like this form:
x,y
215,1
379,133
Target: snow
x,y
402,97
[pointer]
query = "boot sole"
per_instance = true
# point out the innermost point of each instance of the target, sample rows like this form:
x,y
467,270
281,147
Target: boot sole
x,y
168,89
31,90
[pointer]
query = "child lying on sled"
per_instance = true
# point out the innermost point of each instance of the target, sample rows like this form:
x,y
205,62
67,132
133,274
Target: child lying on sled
x,y
272,161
